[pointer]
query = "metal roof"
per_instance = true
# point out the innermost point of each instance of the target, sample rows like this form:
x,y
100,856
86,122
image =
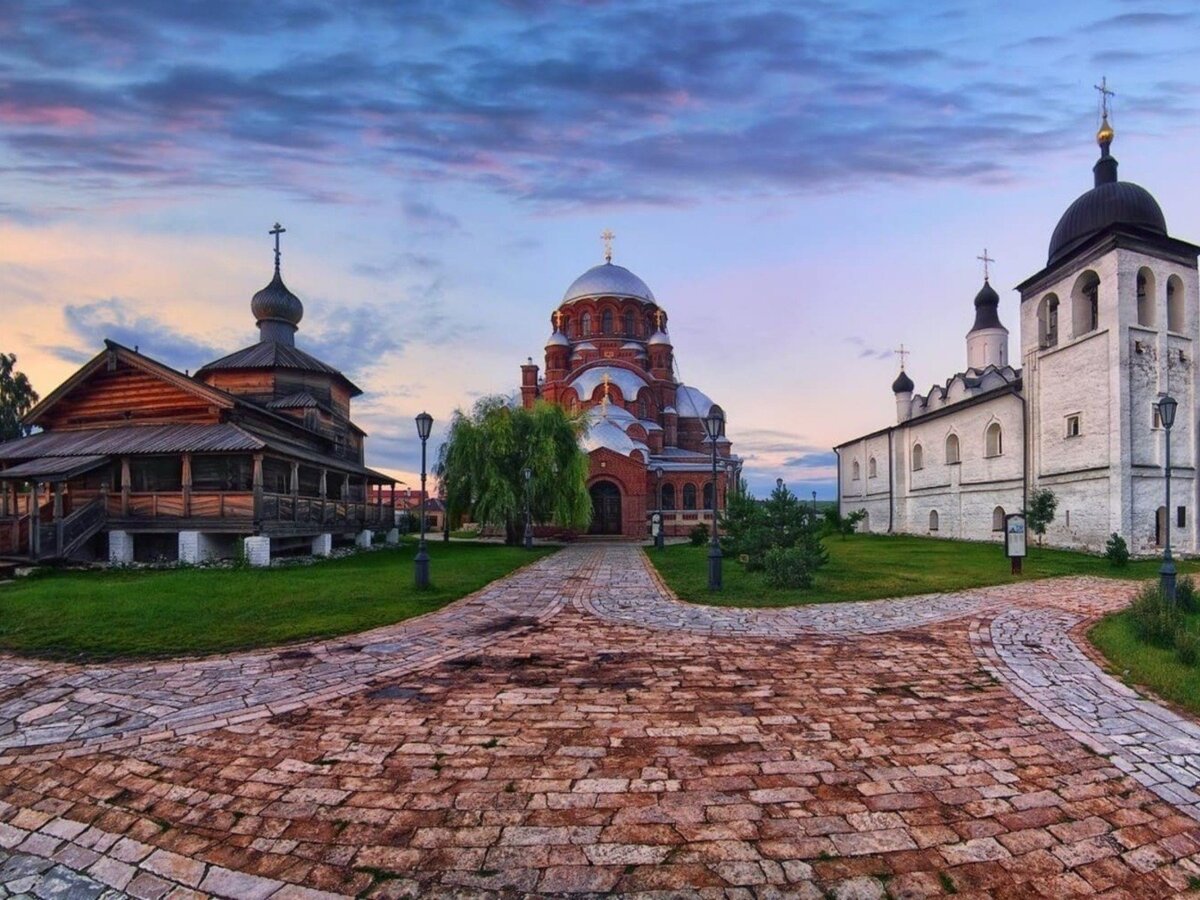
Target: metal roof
x,y
54,468
299,400
274,355
133,439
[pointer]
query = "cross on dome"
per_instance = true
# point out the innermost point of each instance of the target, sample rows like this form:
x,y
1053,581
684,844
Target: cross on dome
x,y
903,354
1105,134
607,379
659,315
607,236
557,320
986,260
277,231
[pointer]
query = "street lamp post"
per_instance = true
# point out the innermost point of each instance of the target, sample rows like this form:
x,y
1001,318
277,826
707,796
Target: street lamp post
x,y
1166,574
814,493
659,539
779,484
424,426
713,424
528,515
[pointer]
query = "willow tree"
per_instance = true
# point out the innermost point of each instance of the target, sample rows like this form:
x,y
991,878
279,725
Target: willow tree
x,y
483,461
17,397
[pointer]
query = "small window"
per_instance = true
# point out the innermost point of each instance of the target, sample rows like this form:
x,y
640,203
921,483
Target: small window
x,y
585,324
918,458
668,496
708,495
1175,315
855,472
952,449
1181,517
1073,426
872,469
689,496
998,519
994,440
627,323
606,322
933,520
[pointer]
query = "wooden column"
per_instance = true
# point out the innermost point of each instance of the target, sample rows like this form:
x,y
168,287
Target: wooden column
x,y
392,523
58,518
257,483
379,504
186,483
126,486
295,491
323,491
34,521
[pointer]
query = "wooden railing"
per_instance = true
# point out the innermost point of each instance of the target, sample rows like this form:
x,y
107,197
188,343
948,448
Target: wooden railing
x,y
240,505
62,538
315,511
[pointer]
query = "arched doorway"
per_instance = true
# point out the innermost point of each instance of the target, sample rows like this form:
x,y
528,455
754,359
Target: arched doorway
x,y
606,508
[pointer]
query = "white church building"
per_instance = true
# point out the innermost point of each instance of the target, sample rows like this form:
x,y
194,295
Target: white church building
x,y
1111,323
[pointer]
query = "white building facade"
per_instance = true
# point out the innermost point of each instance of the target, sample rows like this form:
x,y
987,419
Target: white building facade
x,y
1107,327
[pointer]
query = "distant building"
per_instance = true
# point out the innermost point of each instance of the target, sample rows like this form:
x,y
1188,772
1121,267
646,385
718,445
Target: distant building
x,y
1107,326
610,354
136,460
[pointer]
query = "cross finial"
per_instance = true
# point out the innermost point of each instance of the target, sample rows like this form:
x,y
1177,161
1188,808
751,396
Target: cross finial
x,y
1105,93
557,320
986,260
903,354
607,236
659,315
277,231
607,379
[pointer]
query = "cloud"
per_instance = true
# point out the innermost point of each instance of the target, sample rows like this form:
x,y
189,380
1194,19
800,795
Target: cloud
x,y
119,320
865,351
812,461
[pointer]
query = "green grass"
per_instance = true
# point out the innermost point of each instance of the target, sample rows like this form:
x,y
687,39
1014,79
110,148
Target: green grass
x,y
870,567
139,613
1154,667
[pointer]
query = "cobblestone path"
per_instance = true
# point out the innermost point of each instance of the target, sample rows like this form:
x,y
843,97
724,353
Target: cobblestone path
x,y
686,750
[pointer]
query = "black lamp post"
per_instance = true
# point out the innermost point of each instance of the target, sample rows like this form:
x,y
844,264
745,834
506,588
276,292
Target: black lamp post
x,y
528,473
445,508
814,502
659,539
424,426
1166,574
779,484
713,424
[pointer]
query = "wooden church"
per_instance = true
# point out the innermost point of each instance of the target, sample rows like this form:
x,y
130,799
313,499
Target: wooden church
x,y
134,460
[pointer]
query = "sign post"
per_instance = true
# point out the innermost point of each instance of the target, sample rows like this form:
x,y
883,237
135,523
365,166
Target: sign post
x,y
1014,540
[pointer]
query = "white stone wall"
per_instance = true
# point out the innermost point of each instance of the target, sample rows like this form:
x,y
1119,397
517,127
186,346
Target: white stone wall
x,y
258,550
363,539
120,547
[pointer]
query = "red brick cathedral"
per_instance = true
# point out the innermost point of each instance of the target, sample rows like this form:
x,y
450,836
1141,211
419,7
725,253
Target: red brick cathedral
x,y
611,355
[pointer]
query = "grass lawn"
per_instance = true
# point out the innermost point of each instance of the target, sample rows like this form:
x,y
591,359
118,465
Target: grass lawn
x,y
102,615
1147,665
869,567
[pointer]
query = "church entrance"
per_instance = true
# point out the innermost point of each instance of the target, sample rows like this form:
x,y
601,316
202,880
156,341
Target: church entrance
x,y
606,508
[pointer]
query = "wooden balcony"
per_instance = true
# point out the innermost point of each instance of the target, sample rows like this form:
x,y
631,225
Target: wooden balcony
x,y
242,511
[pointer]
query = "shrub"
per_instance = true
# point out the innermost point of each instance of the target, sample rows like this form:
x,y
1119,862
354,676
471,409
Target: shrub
x,y
1154,619
788,567
1185,595
1187,646
1116,551
699,535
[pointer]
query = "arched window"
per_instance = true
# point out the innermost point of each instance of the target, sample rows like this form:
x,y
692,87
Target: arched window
x,y
998,519
856,472
993,440
606,322
627,323
689,496
1176,321
643,407
918,456
668,496
933,520
708,495
872,469
1048,322
1145,298
952,449
1085,304
585,324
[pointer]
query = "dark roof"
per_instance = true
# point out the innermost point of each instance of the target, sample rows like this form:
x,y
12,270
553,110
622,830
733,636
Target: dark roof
x,y
903,384
274,355
299,400
1109,203
54,468
987,305
133,439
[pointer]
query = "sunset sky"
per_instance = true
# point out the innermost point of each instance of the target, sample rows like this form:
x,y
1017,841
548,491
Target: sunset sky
x,y
803,185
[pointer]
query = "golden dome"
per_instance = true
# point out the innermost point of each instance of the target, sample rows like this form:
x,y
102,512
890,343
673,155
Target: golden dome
x,y
1105,134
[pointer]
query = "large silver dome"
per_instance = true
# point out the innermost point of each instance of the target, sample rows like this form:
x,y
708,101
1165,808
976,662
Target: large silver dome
x,y
608,280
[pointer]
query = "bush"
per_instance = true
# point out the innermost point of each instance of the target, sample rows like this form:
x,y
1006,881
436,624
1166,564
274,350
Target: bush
x,y
1185,595
699,535
788,567
1187,646
1154,619
1116,551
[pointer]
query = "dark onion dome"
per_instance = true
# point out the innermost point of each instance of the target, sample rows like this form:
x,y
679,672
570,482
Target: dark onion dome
x,y
903,384
608,280
987,305
277,304
1108,204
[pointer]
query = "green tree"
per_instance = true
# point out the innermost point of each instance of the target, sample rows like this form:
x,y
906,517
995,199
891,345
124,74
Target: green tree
x,y
836,523
752,529
1042,504
484,458
17,397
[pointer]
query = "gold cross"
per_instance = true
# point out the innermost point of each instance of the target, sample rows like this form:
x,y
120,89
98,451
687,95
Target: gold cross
x,y
557,320
658,319
903,354
607,381
1105,93
607,236
986,259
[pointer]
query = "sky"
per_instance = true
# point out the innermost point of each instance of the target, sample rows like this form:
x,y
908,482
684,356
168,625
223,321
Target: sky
x,y
803,185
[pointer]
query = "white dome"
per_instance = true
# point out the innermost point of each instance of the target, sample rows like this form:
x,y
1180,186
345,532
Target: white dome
x,y
603,431
626,381
660,338
694,403
608,280
558,339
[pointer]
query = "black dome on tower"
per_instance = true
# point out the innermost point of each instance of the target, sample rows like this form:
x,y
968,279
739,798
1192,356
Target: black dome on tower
x,y
987,308
1109,203
903,384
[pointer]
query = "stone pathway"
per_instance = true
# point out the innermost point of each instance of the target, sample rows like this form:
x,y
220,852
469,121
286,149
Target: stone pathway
x,y
904,748
1032,651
